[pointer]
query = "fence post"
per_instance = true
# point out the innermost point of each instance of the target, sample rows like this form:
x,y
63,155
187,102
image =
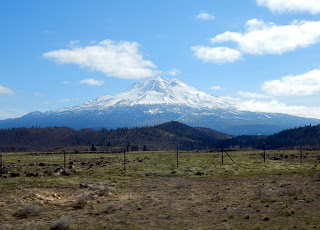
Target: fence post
x,y
264,152
124,159
300,154
222,155
64,160
177,157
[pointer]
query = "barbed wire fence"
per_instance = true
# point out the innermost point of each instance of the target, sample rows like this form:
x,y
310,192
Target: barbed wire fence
x,y
64,161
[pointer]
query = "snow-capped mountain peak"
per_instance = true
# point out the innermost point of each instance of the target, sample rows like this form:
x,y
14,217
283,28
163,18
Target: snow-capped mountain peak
x,y
158,91
156,100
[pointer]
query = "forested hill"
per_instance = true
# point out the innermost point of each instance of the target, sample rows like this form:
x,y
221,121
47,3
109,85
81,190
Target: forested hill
x,y
166,136
308,136
302,136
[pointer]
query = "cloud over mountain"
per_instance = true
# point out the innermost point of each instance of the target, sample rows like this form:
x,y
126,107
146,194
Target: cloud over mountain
x,y
90,81
300,85
116,59
220,55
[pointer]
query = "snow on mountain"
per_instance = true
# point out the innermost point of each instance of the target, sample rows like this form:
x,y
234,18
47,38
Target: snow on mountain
x,y
158,91
153,101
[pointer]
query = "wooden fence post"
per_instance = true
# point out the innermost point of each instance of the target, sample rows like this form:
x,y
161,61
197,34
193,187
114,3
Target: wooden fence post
x,y
124,159
264,152
64,160
222,155
177,157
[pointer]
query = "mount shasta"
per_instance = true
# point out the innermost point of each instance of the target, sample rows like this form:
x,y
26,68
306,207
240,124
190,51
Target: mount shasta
x,y
157,100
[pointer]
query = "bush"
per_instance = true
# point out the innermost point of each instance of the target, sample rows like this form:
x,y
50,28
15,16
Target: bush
x,y
28,210
81,201
110,208
266,218
61,224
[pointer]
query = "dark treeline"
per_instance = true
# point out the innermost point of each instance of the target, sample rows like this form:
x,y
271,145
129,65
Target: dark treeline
x,y
308,136
167,136
302,136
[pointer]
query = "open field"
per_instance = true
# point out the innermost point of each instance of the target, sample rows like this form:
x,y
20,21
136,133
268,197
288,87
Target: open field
x,y
152,193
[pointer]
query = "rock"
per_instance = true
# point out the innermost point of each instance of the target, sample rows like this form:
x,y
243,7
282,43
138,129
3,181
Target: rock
x,y
84,185
14,174
58,170
48,172
66,173
30,175
42,164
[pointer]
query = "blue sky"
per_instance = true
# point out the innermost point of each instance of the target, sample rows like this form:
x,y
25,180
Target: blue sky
x,y
55,54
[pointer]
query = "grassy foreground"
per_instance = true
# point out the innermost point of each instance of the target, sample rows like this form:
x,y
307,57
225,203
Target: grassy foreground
x,y
98,192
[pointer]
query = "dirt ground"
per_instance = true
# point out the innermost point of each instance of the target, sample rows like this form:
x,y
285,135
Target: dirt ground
x,y
169,202
282,193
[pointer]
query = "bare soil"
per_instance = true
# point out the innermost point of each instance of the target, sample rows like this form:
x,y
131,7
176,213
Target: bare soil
x,y
168,199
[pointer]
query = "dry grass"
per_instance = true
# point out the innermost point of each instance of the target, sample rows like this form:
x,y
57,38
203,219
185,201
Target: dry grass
x,y
153,194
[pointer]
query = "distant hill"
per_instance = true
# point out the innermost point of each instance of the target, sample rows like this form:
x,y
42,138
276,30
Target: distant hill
x,y
302,136
166,136
308,136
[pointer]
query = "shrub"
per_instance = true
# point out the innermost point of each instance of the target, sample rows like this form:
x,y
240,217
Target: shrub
x,y
81,201
62,224
110,208
266,218
28,210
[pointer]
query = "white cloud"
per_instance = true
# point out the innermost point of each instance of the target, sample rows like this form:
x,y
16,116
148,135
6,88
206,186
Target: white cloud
x,y
74,43
252,95
90,81
275,106
218,55
11,113
6,91
216,87
117,59
65,100
205,16
174,72
300,85
269,38
283,6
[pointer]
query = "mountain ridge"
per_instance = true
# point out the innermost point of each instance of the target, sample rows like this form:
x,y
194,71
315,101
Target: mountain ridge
x,y
156,100
166,136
